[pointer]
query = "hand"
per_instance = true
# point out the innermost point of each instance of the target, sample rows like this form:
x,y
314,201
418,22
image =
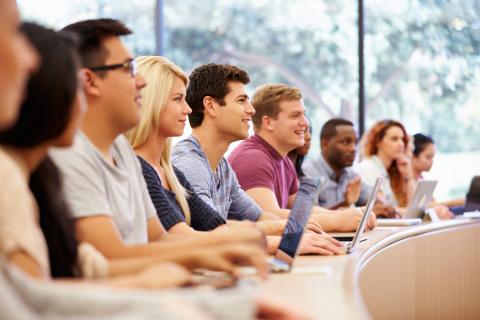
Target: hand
x,y
385,211
352,191
443,212
227,258
276,310
404,166
314,226
322,244
347,220
164,275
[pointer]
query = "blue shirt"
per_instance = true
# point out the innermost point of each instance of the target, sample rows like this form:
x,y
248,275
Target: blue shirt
x,y
332,191
219,189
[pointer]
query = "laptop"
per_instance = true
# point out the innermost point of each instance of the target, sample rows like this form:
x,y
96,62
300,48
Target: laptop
x,y
297,220
416,208
350,246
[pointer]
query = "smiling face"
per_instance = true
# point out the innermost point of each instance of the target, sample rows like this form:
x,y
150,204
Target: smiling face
x,y
288,128
392,145
340,149
233,119
173,116
17,61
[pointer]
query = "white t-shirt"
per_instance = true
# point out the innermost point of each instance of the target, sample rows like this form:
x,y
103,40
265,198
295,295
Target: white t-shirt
x,y
369,170
94,187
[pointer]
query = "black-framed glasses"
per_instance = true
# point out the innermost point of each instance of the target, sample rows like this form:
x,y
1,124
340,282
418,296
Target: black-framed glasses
x,y
129,65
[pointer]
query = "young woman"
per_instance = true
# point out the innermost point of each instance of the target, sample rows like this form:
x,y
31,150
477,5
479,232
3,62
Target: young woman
x,y
298,155
384,153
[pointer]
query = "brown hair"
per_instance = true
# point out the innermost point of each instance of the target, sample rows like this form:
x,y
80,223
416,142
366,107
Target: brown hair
x,y
211,80
369,147
267,98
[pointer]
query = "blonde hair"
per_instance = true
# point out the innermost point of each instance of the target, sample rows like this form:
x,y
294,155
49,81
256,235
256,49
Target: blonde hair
x,y
267,98
159,73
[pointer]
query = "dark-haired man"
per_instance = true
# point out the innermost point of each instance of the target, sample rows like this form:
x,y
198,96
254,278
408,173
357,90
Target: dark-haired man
x,y
341,186
221,112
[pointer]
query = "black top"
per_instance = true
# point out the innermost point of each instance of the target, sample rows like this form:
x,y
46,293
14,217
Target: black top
x,y
203,217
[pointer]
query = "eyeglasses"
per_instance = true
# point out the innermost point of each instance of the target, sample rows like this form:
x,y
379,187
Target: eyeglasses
x,y
130,65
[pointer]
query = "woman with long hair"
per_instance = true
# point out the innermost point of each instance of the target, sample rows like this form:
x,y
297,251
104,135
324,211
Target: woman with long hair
x,y
383,152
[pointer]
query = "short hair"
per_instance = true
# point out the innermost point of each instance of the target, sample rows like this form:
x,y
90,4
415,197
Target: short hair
x,y
329,129
420,142
91,33
266,100
211,80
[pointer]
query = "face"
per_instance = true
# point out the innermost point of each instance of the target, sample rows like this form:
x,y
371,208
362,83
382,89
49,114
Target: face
x,y
175,112
119,90
76,117
233,119
289,128
340,149
17,60
392,145
424,161
303,150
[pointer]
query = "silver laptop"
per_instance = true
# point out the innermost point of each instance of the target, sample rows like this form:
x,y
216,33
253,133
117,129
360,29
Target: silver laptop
x,y
417,206
292,234
351,246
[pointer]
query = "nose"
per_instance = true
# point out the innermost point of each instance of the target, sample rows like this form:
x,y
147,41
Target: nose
x,y
187,109
250,109
140,81
31,57
304,122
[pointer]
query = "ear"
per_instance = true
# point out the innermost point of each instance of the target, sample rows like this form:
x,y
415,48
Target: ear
x,y
90,82
267,123
209,106
324,143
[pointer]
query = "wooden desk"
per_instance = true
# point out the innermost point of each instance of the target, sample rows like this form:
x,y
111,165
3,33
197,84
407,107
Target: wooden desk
x,y
430,271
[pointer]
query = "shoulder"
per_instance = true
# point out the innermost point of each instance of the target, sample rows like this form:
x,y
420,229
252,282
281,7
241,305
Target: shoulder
x,y
248,149
11,171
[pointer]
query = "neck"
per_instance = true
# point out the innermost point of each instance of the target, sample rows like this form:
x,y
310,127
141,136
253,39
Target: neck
x,y
282,150
152,149
30,157
213,144
99,133
387,161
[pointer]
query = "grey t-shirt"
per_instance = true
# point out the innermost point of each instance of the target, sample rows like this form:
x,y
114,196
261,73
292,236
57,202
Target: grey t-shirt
x,y
93,186
219,189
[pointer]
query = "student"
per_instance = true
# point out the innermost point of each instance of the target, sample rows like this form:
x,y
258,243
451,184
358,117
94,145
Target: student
x,y
103,182
299,154
342,187
384,153
220,115
261,163
18,59
422,160
164,114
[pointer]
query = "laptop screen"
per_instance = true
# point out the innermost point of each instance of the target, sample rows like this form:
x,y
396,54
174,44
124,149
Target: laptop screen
x,y
298,217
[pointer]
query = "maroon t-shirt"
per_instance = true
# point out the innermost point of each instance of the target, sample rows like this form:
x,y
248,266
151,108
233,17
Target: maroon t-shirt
x,y
258,165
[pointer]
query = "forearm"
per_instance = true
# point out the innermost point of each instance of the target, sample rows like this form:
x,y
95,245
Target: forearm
x,y
272,244
272,227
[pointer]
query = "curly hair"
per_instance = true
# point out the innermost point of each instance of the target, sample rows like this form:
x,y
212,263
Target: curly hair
x,y
369,147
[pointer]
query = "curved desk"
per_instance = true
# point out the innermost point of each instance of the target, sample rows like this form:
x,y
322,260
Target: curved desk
x,y
430,271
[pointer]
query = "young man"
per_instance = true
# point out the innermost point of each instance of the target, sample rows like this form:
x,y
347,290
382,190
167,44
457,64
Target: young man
x,y
221,112
261,163
17,60
342,187
103,182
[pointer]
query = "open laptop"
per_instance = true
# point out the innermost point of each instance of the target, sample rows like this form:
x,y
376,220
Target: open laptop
x,y
350,246
417,206
292,234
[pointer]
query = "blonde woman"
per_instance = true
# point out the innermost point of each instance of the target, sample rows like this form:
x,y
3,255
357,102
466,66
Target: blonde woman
x,y
163,116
